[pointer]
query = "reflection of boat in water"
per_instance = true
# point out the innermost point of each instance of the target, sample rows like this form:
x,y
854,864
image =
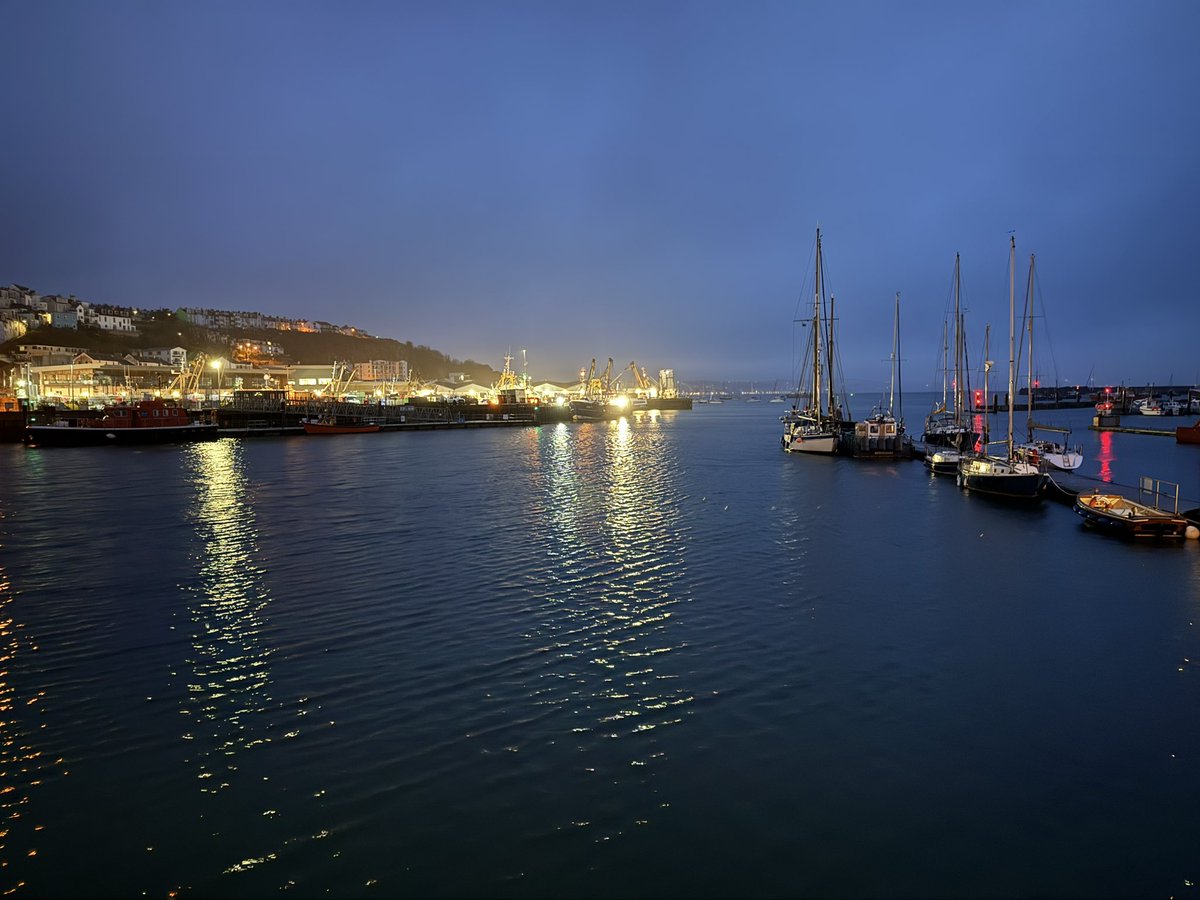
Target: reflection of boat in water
x,y
330,425
1119,515
145,422
818,425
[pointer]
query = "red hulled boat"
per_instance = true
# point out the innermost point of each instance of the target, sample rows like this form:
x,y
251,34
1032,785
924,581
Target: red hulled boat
x,y
143,422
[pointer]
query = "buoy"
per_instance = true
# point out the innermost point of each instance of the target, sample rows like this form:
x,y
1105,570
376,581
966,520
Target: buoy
x,y
1191,533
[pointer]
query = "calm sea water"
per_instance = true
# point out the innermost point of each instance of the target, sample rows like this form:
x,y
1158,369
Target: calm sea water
x,y
647,658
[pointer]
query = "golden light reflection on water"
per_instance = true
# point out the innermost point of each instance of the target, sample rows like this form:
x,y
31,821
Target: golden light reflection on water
x,y
616,564
23,768
230,676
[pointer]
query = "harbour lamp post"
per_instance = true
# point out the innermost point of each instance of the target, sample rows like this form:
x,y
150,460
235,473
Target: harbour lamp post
x,y
216,364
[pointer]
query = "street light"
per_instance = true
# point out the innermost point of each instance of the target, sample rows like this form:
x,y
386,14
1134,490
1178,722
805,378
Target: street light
x,y
216,364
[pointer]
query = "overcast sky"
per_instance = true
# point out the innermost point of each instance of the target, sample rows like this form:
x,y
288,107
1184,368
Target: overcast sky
x,y
639,180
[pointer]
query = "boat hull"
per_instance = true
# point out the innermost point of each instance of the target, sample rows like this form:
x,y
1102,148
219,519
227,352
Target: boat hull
x,y
942,460
589,410
997,478
825,443
93,436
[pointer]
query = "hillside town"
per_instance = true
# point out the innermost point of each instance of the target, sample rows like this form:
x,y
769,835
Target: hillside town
x,y
234,356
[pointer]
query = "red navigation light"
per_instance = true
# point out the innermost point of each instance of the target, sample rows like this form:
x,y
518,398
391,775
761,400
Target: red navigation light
x,y
979,398
1037,383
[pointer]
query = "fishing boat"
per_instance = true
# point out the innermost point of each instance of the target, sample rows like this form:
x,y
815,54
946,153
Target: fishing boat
x,y
1117,514
330,425
948,429
589,408
817,426
1006,476
1188,434
595,393
144,422
881,435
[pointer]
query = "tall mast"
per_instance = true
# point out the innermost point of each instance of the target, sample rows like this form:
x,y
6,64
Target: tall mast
x,y
895,348
1012,342
987,367
832,398
1029,307
899,379
817,288
959,395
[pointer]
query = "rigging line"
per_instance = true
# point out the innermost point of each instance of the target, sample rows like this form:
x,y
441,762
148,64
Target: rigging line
x,y
1037,287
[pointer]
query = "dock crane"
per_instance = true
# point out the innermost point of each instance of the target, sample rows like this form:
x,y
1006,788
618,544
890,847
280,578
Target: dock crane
x,y
188,380
343,373
644,386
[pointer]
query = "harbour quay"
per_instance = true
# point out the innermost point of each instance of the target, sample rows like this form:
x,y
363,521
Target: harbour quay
x,y
266,413
269,413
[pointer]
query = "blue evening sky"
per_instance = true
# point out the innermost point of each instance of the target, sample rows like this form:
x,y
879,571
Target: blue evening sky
x,y
640,180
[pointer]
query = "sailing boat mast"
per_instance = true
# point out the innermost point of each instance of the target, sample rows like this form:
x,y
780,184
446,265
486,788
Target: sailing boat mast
x,y
987,367
817,288
832,396
1029,309
1012,342
895,352
959,346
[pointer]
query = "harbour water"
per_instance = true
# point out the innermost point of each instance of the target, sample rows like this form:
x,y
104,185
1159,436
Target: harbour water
x,y
656,657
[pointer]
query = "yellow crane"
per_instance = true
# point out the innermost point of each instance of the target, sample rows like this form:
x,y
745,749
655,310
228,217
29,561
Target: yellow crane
x,y
339,380
188,380
643,384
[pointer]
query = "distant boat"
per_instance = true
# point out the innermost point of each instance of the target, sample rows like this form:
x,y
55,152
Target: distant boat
x,y
145,422
818,425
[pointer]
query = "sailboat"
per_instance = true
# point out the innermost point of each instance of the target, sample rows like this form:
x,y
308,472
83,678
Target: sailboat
x,y
881,435
1056,452
948,433
1007,475
817,426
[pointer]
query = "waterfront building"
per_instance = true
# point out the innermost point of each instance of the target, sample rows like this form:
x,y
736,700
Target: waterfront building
x,y
382,370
